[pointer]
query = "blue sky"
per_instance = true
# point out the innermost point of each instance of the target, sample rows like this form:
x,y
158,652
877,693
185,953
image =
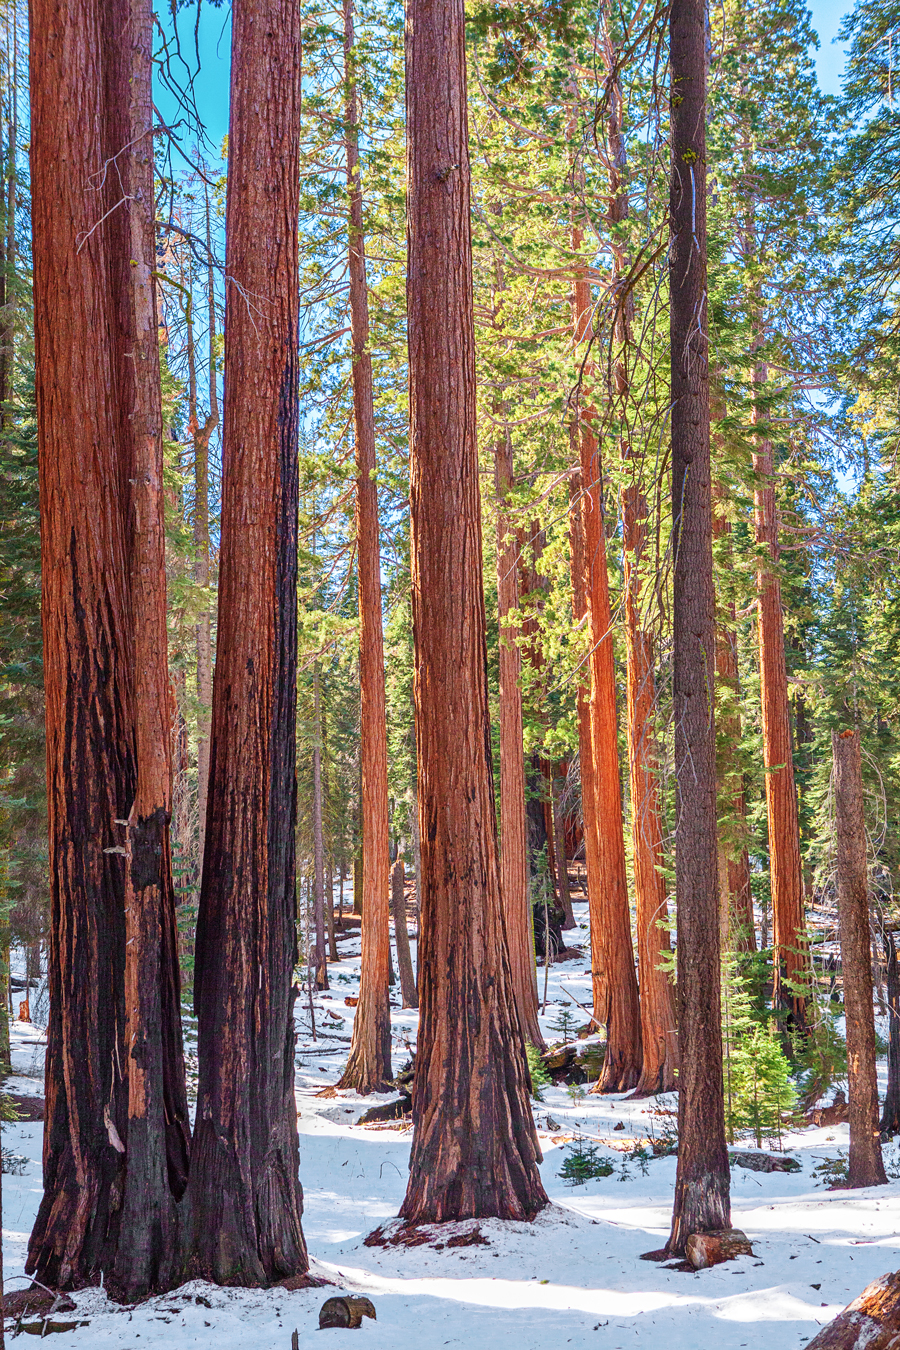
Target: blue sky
x,y
215,39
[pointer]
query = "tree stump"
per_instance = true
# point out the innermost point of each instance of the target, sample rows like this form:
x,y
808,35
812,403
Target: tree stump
x,y
872,1320
346,1311
711,1249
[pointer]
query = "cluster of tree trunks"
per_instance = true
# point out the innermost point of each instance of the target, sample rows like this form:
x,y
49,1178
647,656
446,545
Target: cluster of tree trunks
x,y
116,1159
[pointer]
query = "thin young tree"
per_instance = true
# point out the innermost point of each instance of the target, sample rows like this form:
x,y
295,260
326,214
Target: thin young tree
x,y
369,1065
866,1166
514,834
622,1061
91,768
702,1182
475,1150
244,1194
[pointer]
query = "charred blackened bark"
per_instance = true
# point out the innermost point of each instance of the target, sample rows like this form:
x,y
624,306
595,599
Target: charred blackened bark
x,y
890,1115
702,1184
244,1194
475,1150
91,762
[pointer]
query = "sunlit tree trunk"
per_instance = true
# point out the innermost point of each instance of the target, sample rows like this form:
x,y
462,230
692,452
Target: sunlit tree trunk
x,y
622,1062
369,1066
158,1132
514,840
866,1166
786,876
702,1182
319,959
91,761
475,1150
244,1194
600,986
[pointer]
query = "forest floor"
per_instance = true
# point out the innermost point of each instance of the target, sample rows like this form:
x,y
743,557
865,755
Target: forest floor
x,y
572,1278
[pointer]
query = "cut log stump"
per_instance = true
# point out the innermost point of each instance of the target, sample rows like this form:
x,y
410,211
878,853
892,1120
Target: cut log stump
x,y
711,1249
872,1320
346,1311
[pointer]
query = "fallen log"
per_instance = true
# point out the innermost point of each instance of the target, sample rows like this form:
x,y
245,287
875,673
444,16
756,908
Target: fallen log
x,y
870,1322
711,1249
765,1162
346,1311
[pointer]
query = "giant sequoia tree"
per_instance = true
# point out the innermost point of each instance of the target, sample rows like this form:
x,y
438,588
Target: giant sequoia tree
x,y
702,1181
115,1153
475,1150
244,1193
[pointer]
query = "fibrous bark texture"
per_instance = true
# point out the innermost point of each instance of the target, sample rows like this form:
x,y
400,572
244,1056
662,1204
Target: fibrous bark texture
x,y
702,1184
158,1131
786,877
866,1167
514,840
91,768
369,1065
890,1115
475,1150
599,984
870,1322
622,1062
244,1193
401,936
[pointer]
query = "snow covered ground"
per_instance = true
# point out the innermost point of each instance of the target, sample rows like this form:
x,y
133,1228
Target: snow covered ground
x,y
572,1278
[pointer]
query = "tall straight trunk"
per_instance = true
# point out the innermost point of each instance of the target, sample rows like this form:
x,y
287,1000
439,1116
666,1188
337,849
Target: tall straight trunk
x,y
401,937
369,1065
201,436
659,1038
329,909
622,1062
738,928
475,1151
866,1167
786,876
158,1131
600,985
244,1194
890,1115
319,958
702,1181
8,245
91,764
514,837
559,848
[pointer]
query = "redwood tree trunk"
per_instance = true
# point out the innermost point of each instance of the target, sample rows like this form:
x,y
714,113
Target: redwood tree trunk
x,y
244,1192
514,835
786,876
91,764
702,1183
158,1132
866,1165
320,959
622,1062
475,1151
600,987
401,937
369,1065
738,927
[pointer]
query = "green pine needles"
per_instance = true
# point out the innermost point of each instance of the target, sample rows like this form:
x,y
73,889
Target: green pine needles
x,y
759,1090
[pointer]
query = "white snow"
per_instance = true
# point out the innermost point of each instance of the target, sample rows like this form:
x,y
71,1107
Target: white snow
x,y
572,1278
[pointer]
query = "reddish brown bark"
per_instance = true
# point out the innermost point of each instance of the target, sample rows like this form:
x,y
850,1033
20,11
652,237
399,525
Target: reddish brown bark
x,y
369,1066
788,928
244,1194
866,1167
870,1322
158,1132
320,961
738,927
659,1038
475,1150
514,841
586,761
401,936
91,769
702,1181
622,1062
